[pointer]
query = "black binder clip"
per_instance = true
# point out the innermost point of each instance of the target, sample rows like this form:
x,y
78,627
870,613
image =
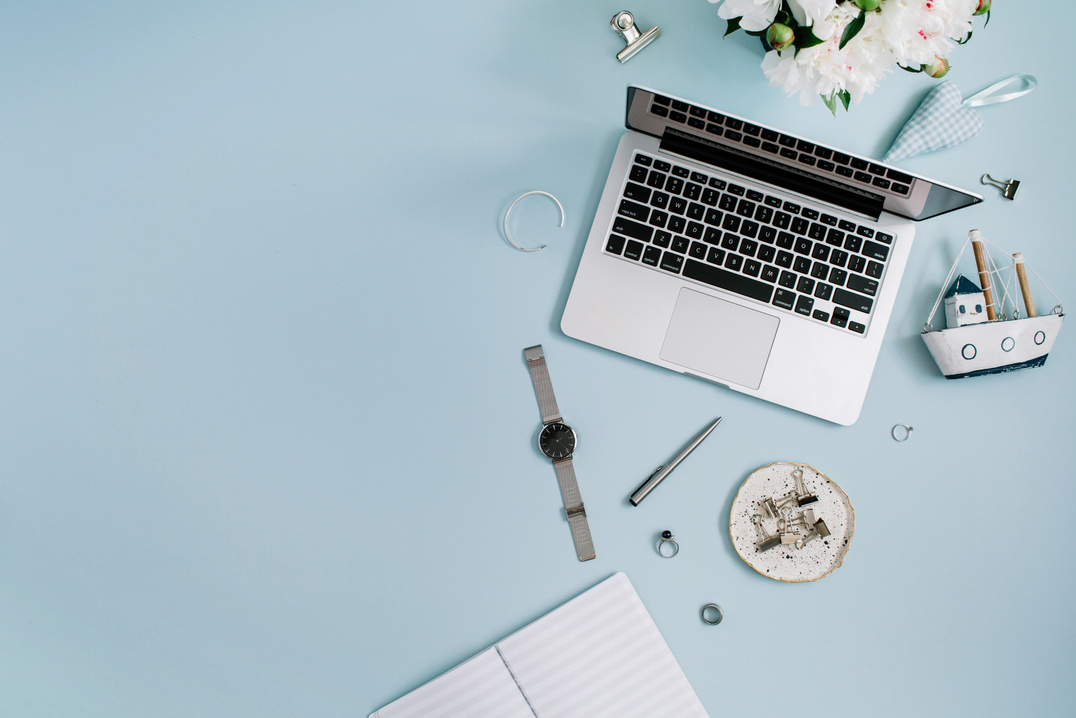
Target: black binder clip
x,y
624,24
1008,189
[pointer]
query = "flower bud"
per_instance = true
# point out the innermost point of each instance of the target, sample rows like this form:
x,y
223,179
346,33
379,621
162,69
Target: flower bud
x,y
937,68
780,37
983,7
871,5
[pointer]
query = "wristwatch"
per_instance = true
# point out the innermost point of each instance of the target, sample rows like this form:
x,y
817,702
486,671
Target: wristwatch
x,y
557,441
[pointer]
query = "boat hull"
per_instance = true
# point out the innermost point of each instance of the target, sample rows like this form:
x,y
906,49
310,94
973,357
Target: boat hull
x,y
993,347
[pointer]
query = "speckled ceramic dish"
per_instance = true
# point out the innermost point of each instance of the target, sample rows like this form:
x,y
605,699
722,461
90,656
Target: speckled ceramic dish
x,y
785,562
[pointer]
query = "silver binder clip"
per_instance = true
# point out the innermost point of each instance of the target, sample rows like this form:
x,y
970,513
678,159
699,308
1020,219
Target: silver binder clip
x,y
624,24
1008,188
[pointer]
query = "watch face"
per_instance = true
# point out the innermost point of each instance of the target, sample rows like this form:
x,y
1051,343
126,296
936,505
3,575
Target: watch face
x,y
557,441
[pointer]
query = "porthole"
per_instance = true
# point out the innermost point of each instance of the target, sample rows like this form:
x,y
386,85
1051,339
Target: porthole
x,y
969,351
1007,344
1040,337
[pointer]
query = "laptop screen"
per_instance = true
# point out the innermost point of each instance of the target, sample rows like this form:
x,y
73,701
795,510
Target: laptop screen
x,y
778,158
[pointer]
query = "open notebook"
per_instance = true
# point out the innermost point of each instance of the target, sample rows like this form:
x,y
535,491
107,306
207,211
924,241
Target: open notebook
x,y
599,654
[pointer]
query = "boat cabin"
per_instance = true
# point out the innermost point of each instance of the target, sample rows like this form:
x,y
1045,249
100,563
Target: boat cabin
x,y
965,303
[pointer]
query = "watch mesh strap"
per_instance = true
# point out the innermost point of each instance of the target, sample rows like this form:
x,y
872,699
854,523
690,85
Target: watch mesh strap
x,y
543,387
569,488
573,507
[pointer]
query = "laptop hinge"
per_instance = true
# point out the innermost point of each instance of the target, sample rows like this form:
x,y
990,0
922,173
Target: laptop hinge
x,y
772,173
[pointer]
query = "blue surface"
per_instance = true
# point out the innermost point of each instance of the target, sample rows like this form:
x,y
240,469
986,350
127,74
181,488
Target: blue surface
x,y
267,438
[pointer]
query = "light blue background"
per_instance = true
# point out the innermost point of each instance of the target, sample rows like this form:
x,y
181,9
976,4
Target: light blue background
x,y
267,436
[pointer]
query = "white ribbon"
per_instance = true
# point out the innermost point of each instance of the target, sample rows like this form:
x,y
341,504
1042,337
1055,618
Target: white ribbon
x,y
985,96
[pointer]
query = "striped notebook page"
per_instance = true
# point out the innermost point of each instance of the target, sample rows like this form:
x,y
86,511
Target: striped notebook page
x,y
598,655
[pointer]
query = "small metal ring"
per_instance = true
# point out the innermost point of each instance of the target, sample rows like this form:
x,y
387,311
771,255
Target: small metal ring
x,y
901,435
509,212
714,607
667,539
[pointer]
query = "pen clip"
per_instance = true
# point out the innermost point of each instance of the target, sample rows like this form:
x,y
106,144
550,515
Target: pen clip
x,y
655,473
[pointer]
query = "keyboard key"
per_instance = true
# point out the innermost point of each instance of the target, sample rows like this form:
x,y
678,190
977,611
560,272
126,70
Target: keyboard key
x,y
789,154
727,203
770,147
748,247
784,259
786,141
696,123
840,317
859,164
767,234
695,211
646,160
852,300
764,214
838,257
835,237
801,265
749,228
712,236
671,262
716,255
857,327
656,179
737,190
752,267
679,171
632,229
692,190
788,279
782,220
805,285
766,253
730,242
717,183
829,219
637,192
694,230
659,200
633,250
770,273
863,284
755,196
874,269
820,315
662,238
784,299
853,242
883,237
875,250
807,159
731,223
823,153
901,188
652,256
865,232
714,129
857,263
674,185
679,245
847,226
876,170
817,231
659,110
733,123
659,218
837,276
820,252
710,197
677,224
745,208
841,158
786,240
638,174
698,250
809,213
845,171
791,207
800,225
863,177
881,183
828,167
662,165
731,281
615,244
804,304
803,246
713,217
634,210
715,117
823,291
819,270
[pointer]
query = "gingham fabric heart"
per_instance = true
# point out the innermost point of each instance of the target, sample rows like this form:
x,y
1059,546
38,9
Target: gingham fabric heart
x,y
944,119
941,121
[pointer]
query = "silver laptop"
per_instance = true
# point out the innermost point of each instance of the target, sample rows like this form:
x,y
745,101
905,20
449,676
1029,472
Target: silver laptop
x,y
748,256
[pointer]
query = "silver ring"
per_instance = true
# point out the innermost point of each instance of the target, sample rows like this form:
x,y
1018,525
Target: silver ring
x,y
711,607
901,432
667,537
513,205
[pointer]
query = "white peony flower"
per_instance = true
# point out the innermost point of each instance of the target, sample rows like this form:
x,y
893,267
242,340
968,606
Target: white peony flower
x,y
755,15
826,70
811,12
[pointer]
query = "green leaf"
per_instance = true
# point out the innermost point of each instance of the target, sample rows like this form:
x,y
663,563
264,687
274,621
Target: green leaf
x,y
853,28
846,98
831,103
756,33
909,69
806,38
733,26
966,39
987,19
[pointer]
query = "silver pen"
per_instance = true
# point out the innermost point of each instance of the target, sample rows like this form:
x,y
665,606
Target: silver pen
x,y
665,469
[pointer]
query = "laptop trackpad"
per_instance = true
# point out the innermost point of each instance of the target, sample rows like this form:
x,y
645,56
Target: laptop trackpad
x,y
718,338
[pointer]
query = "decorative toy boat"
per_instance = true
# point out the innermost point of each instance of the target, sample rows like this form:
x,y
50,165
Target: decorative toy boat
x,y
980,339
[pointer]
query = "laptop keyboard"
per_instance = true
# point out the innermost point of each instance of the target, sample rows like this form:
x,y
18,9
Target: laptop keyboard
x,y
789,256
